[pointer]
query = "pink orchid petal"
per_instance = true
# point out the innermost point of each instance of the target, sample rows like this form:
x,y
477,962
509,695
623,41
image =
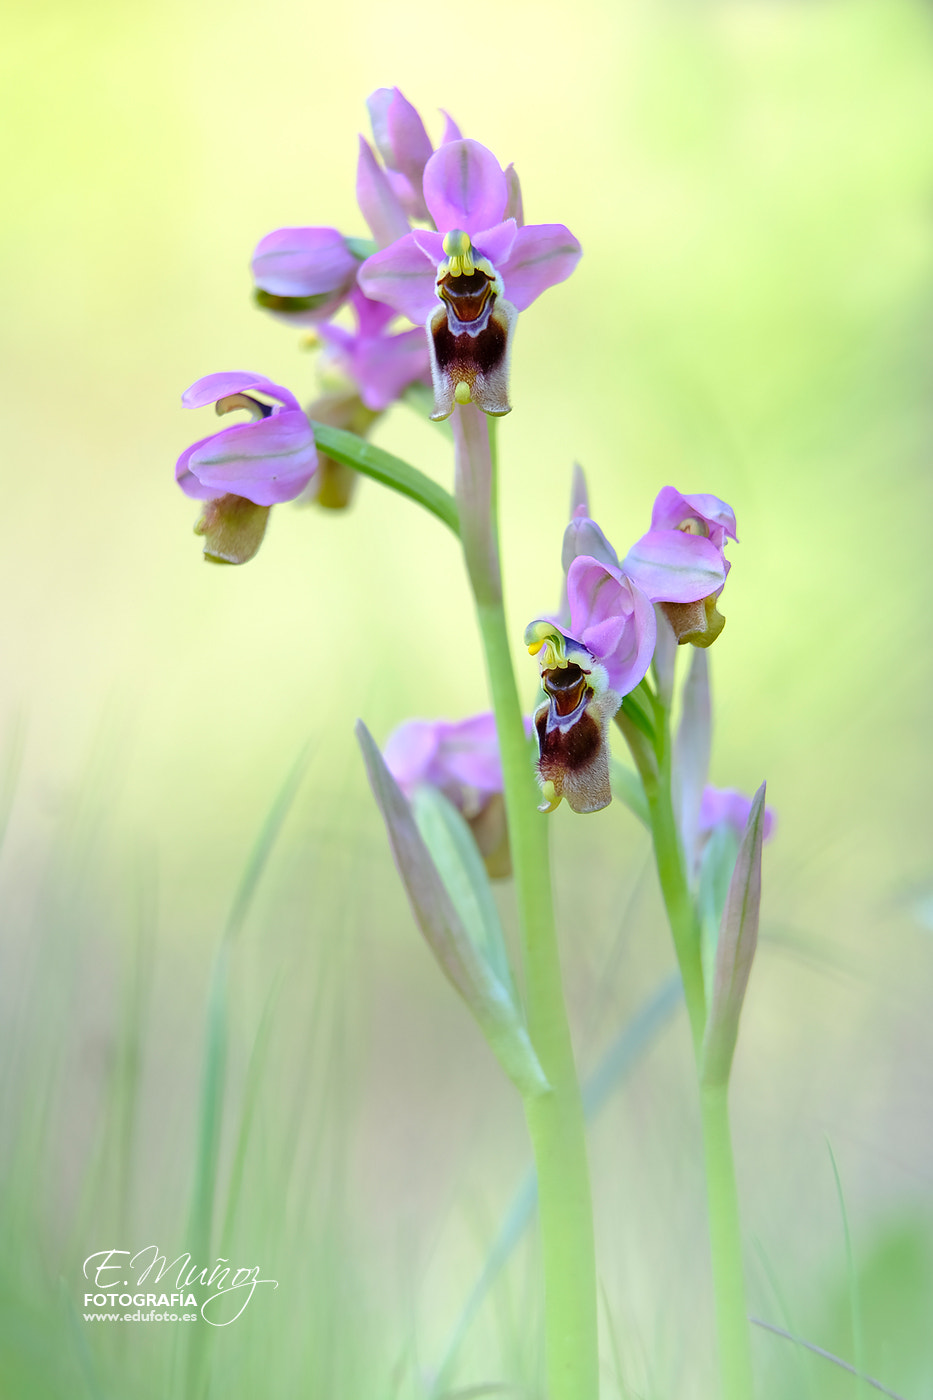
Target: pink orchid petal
x,y
583,536
627,667
379,204
595,592
402,277
384,368
672,508
613,619
269,461
303,262
496,243
187,480
431,244
218,386
409,752
372,316
515,209
469,753
732,807
674,567
464,187
542,256
399,133
452,131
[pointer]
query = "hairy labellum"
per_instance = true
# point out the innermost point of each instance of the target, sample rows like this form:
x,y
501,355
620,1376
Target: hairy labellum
x,y
469,336
572,723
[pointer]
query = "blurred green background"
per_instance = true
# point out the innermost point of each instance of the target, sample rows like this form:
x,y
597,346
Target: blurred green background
x,y
752,183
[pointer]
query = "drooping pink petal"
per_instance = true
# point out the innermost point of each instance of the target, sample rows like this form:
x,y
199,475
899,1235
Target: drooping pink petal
x,y
674,567
379,204
236,381
465,188
303,262
186,479
542,256
267,462
402,277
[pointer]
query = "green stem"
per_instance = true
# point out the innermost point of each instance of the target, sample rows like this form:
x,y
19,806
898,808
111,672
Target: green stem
x,y
677,900
732,1330
555,1120
725,1235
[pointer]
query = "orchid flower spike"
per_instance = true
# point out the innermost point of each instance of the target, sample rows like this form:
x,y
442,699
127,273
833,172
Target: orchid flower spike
x,y
467,281
461,759
244,469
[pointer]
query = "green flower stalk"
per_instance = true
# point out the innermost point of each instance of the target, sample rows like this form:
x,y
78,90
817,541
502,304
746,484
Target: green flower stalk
x,y
555,1120
600,656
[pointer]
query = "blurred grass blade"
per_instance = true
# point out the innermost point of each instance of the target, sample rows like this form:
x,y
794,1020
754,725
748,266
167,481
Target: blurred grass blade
x,y
804,1357
738,938
462,962
627,789
12,765
254,1073
617,1062
390,471
858,1348
827,1356
210,1119
691,754
630,1043
455,853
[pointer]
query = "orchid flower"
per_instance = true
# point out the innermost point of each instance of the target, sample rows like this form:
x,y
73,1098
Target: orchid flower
x,y
467,280
461,759
609,645
243,470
